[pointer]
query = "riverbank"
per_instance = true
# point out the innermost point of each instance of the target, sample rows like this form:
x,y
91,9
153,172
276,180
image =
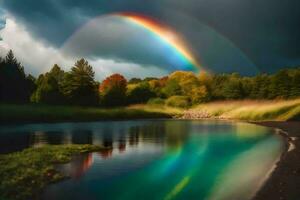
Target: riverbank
x,y
284,182
247,110
26,173
10,113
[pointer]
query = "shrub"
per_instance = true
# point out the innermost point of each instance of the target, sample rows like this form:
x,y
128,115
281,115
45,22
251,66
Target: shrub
x,y
156,101
140,93
178,101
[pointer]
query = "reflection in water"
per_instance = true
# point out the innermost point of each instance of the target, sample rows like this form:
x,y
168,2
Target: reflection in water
x,y
78,166
106,153
158,132
155,159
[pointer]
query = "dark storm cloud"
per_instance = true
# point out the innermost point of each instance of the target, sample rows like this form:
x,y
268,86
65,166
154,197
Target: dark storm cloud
x,y
56,20
267,31
114,38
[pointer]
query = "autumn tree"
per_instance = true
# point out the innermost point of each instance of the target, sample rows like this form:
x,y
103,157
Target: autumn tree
x,y
186,80
113,90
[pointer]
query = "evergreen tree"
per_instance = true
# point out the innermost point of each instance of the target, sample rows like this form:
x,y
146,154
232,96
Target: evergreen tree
x,y
79,85
14,85
295,84
233,90
49,87
280,85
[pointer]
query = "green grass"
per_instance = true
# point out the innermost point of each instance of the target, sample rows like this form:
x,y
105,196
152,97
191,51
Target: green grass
x,y
42,113
167,110
278,110
24,174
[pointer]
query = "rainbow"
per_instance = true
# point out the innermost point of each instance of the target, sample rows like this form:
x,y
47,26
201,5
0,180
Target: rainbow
x,y
166,35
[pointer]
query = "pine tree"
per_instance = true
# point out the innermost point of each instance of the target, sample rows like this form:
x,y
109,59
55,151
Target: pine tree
x,y
15,87
79,85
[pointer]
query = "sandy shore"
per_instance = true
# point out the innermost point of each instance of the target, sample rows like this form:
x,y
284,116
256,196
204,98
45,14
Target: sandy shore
x,y
284,183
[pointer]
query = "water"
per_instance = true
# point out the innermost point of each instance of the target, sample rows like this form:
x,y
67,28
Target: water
x,y
156,159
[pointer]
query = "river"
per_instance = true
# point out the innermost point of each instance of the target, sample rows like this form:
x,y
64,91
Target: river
x,y
156,159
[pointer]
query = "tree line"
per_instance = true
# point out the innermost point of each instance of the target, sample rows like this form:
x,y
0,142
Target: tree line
x,y
180,89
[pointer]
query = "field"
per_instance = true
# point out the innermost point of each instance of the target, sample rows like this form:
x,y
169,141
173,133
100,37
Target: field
x,y
251,110
275,110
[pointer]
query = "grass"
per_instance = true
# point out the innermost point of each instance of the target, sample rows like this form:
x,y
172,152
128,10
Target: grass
x,y
25,174
278,110
45,113
168,110
281,110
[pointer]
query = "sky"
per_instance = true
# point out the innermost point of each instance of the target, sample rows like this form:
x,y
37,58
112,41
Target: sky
x,y
248,37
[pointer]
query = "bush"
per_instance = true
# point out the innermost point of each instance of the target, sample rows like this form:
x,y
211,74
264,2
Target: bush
x,y
156,101
178,101
140,94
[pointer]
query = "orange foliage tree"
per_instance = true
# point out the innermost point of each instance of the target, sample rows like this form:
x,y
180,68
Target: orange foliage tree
x,y
113,90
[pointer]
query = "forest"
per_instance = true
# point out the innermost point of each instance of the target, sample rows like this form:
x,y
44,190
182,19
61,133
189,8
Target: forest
x,y
179,89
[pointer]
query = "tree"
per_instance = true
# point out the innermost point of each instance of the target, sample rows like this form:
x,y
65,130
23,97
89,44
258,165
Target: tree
x,y
259,87
79,86
113,90
186,80
280,85
140,94
57,73
49,87
15,86
233,89
172,88
157,86
134,81
199,95
295,84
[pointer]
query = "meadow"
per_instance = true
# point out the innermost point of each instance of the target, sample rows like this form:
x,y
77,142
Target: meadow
x,y
250,110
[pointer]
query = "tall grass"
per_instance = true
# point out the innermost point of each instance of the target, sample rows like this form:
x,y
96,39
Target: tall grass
x,y
44,113
168,110
281,110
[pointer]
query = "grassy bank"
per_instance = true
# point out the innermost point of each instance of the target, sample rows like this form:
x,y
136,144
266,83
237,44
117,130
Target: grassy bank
x,y
280,110
24,174
42,113
168,110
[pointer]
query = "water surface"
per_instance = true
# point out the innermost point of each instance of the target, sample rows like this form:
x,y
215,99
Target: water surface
x,y
156,159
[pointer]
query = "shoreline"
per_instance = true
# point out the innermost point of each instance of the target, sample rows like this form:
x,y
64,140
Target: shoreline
x,y
284,180
284,177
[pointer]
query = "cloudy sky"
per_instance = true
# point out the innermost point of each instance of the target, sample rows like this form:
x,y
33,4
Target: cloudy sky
x,y
245,36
